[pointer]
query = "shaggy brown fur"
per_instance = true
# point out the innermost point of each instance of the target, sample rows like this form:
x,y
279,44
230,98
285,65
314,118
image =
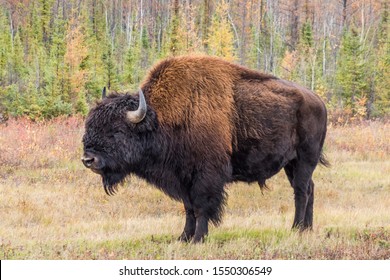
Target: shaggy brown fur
x,y
210,122
197,93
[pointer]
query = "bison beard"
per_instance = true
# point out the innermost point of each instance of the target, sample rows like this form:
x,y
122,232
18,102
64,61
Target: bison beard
x,y
111,181
200,123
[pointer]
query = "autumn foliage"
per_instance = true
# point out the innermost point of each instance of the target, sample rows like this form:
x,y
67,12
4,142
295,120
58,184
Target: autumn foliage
x,y
56,56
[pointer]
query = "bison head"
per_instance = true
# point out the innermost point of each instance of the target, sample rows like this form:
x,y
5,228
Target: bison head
x,y
115,132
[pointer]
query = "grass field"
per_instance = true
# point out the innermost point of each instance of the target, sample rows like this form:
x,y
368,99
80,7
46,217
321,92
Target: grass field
x,y
53,208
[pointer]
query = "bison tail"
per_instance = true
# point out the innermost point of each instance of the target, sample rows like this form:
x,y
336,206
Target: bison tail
x,y
324,161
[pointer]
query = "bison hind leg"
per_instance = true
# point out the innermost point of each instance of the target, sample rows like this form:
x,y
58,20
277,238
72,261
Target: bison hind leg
x,y
299,174
308,221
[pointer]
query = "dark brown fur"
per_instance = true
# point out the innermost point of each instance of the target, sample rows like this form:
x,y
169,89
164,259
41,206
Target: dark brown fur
x,y
210,122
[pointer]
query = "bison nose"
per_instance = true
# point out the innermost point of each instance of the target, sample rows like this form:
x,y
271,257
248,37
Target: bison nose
x,y
88,161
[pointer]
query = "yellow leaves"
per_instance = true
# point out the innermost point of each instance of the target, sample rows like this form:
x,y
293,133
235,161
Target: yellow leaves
x,y
220,41
321,90
76,52
360,107
288,64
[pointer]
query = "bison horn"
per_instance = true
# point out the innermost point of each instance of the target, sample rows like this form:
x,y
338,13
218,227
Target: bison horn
x,y
139,114
104,93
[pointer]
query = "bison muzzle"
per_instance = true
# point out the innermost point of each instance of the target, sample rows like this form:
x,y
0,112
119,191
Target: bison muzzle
x,y
198,123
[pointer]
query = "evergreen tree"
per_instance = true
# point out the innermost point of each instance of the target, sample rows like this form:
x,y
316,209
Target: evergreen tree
x,y
306,67
110,69
382,79
45,17
95,39
81,104
177,35
56,56
307,35
174,44
350,75
132,69
18,71
5,48
55,69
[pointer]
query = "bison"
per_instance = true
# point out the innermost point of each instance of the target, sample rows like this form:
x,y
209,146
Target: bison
x,y
200,122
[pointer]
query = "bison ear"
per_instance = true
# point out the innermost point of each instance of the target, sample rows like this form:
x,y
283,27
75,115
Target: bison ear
x,y
104,93
139,114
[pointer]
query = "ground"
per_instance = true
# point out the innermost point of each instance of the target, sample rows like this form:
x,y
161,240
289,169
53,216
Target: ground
x,y
52,207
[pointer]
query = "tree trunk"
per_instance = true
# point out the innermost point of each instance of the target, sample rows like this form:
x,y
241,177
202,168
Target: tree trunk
x,y
205,23
294,24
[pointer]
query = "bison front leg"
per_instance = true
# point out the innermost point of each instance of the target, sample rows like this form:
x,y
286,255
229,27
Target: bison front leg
x,y
208,199
196,226
189,228
202,227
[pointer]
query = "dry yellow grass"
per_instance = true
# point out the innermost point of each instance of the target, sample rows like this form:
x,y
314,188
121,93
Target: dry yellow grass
x,y
53,208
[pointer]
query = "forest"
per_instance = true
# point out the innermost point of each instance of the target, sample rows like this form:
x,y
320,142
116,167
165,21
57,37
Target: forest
x,y
57,55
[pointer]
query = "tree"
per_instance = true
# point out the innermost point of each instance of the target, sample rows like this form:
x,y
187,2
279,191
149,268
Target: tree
x,y
75,55
221,39
175,28
5,49
177,35
205,23
131,72
57,55
18,68
381,100
351,71
308,54
45,17
110,69
55,69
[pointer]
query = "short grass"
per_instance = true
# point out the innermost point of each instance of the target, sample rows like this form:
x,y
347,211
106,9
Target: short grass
x,y
53,208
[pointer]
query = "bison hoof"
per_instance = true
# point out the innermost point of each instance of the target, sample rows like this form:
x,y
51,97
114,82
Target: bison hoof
x,y
302,228
191,238
184,237
198,239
